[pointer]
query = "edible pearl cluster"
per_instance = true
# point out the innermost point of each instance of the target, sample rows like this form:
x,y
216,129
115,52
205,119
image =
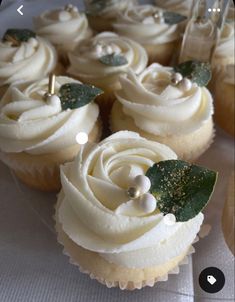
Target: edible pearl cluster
x,y
102,49
139,192
178,80
65,15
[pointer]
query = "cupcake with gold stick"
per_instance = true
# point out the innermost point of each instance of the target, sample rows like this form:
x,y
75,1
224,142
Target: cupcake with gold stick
x,y
24,56
168,105
64,27
39,126
129,218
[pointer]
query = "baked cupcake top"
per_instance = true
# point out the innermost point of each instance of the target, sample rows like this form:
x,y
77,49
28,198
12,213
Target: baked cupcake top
x,y
25,57
108,8
163,101
36,124
224,52
100,210
64,27
179,6
148,24
109,56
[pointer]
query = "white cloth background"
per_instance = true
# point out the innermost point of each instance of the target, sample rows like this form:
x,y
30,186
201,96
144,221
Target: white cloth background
x,y
32,266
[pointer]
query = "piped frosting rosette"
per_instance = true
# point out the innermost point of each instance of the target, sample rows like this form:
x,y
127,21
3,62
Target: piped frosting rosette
x,y
146,24
97,214
25,57
160,107
30,123
109,55
64,27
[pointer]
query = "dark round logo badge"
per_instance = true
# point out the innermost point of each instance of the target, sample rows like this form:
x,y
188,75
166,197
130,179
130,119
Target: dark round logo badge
x,y
211,280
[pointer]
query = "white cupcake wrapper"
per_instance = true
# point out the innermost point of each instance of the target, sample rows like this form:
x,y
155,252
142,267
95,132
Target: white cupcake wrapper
x,y
130,285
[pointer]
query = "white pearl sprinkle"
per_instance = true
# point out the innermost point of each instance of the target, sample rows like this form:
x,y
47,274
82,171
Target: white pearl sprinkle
x,y
64,16
186,84
98,49
53,100
178,76
147,203
75,9
33,42
108,49
148,20
143,183
169,219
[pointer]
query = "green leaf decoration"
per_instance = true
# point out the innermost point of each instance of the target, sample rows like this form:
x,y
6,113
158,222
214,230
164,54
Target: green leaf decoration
x,y
18,35
113,60
172,18
75,95
198,72
181,188
95,7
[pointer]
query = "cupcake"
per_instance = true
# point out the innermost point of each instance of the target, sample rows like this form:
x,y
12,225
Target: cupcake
x,y
168,105
102,14
64,28
129,211
24,57
38,131
224,93
158,31
179,6
228,225
101,60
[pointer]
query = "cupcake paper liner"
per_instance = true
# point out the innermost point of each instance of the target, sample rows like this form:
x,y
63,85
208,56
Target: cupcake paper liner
x,y
66,242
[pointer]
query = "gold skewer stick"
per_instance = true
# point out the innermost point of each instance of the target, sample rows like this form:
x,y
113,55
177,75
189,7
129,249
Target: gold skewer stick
x,y
51,85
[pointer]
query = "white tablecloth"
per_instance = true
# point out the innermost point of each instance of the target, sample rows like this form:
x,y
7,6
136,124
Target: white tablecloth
x,y
32,266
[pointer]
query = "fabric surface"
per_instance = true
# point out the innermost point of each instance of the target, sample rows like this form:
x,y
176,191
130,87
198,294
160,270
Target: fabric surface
x,y
32,266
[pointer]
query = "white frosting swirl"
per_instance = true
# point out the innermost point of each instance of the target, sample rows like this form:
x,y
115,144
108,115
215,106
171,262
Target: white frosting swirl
x,y
94,185
142,24
29,61
64,27
89,52
179,6
161,108
28,123
224,52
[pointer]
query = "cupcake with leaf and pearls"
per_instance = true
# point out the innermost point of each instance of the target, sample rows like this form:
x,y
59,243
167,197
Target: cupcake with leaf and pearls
x,y
43,124
101,60
24,56
129,211
103,13
168,105
64,27
157,30
224,93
